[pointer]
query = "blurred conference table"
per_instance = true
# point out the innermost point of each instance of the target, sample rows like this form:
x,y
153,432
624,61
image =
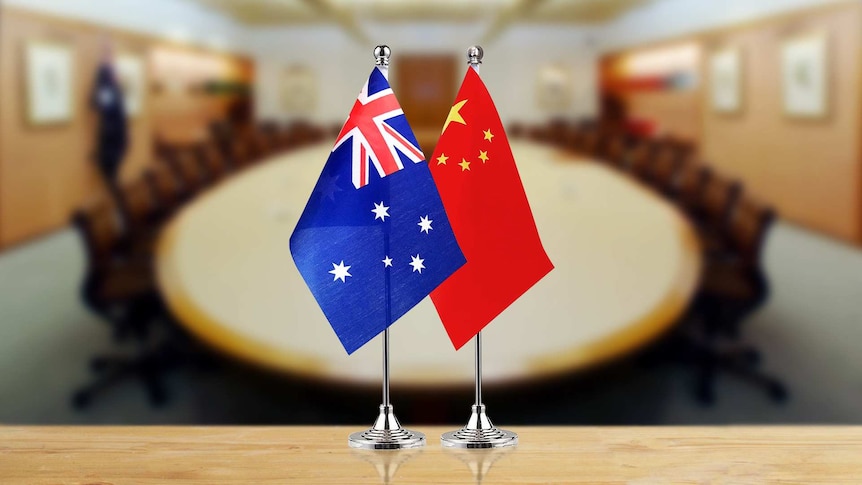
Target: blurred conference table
x,y
626,265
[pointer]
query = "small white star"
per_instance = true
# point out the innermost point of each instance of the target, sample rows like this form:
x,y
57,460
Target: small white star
x,y
340,271
380,211
425,224
387,262
417,264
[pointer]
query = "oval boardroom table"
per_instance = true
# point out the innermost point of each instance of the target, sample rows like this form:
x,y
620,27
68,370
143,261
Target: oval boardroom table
x,y
626,265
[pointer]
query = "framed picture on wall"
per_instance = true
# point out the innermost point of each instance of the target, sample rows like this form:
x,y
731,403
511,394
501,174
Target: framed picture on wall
x,y
298,90
804,68
725,80
554,89
131,74
49,82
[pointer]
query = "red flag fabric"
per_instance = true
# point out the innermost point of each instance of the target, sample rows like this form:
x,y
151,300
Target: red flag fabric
x,y
481,190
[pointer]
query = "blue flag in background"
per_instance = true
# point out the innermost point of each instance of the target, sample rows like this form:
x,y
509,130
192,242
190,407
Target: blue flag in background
x,y
373,240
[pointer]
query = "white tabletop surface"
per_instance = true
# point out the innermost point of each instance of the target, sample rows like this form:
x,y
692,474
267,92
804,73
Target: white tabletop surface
x,y
626,264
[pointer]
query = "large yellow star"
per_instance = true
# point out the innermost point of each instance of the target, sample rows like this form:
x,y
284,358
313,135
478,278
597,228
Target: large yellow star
x,y
441,160
465,165
455,115
483,155
488,134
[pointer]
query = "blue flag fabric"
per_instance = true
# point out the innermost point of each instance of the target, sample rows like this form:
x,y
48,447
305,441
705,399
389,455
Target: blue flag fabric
x,y
373,240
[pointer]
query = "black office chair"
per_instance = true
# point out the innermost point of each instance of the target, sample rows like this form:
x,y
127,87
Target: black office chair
x,y
733,287
119,287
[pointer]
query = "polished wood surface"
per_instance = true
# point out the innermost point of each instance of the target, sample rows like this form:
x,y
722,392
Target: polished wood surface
x,y
312,455
627,263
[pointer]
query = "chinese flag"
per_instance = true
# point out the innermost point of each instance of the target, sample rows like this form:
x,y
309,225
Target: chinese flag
x,y
476,176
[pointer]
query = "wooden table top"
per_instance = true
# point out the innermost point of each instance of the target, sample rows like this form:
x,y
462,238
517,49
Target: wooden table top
x,y
312,455
627,263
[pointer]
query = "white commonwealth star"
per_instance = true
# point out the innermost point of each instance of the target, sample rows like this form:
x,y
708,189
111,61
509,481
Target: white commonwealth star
x,y
425,224
417,264
387,263
328,186
380,211
340,271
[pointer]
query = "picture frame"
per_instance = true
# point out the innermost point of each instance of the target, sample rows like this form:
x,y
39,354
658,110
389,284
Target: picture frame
x,y
131,75
555,88
725,80
49,81
299,90
805,79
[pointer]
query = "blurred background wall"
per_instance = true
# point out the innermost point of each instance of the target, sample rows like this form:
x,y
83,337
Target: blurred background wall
x,y
45,172
578,79
809,169
187,44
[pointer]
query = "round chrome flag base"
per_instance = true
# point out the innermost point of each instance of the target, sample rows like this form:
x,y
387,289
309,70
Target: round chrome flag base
x,y
479,433
486,438
386,440
386,434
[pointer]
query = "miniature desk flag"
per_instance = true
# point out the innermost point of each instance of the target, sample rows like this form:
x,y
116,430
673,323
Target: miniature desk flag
x,y
374,239
479,183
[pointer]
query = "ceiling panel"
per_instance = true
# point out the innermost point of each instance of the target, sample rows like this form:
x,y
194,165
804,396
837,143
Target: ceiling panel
x,y
269,12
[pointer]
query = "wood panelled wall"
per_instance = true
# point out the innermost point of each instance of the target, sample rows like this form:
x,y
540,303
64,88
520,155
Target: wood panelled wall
x,y
47,171
811,170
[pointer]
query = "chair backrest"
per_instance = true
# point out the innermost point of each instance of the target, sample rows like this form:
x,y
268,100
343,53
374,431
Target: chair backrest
x,y
571,139
615,151
139,206
241,154
717,201
537,133
689,183
221,132
749,225
250,146
514,130
557,131
668,158
212,159
98,222
166,187
640,158
588,141
187,165
299,133
276,136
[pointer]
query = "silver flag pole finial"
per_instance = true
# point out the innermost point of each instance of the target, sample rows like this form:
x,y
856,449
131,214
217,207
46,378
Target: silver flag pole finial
x,y
475,53
381,55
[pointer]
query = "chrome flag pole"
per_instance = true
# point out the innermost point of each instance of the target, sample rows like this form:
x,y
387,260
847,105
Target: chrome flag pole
x,y
479,431
386,433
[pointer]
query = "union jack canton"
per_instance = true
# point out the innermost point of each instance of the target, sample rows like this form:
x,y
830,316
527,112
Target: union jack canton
x,y
373,240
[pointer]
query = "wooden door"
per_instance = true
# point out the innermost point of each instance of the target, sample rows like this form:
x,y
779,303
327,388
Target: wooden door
x,y
426,86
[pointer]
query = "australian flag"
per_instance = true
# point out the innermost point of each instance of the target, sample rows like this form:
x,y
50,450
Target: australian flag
x,y
373,240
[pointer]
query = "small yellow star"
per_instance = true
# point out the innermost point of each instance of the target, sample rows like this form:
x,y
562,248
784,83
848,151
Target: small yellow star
x,y
483,155
488,134
465,165
441,160
455,115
